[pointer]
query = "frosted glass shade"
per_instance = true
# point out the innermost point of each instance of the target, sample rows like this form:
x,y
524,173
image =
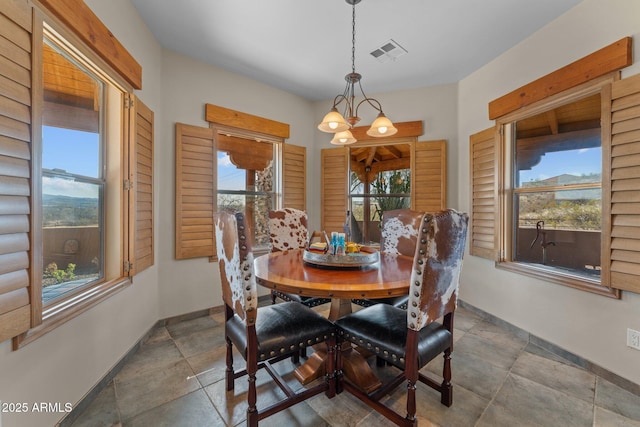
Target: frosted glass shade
x,y
333,122
381,126
343,138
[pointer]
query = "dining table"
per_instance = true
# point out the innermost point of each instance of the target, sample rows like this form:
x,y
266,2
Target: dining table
x,y
288,271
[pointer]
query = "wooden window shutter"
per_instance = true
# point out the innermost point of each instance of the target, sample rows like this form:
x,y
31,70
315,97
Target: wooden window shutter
x,y
195,191
334,182
16,130
141,195
430,176
483,157
294,171
621,213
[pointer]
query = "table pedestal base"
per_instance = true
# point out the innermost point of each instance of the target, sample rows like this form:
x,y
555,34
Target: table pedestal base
x,y
354,365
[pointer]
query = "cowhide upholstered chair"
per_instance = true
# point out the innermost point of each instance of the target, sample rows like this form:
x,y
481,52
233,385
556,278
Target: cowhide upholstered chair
x,y
399,235
268,334
409,339
288,230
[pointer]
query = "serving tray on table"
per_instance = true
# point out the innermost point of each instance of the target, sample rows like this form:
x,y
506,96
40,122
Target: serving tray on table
x,y
352,260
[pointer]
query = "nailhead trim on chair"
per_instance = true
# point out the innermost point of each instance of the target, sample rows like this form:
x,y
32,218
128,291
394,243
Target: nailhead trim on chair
x,y
314,303
363,343
272,353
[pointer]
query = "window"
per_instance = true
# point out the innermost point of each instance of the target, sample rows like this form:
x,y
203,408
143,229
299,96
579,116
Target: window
x,y
552,204
247,171
556,181
73,174
380,180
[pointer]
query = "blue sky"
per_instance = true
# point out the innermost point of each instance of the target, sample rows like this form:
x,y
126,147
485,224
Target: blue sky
x,y
229,176
575,162
73,151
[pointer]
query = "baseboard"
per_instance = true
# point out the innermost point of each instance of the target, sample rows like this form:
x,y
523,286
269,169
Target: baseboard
x,y
616,379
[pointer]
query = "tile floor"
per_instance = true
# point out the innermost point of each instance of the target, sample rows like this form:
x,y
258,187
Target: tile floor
x,y
176,378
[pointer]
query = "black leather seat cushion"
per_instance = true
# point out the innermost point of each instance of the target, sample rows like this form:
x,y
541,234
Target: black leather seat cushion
x,y
382,329
308,301
400,302
281,329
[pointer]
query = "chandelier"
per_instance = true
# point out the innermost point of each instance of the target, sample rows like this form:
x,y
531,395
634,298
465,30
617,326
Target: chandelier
x,y
334,122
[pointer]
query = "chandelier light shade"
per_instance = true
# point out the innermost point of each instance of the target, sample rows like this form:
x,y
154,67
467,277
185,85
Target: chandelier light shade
x,y
343,138
334,122
381,126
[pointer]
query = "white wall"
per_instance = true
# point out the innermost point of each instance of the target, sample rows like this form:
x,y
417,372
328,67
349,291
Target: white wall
x,y
65,364
591,326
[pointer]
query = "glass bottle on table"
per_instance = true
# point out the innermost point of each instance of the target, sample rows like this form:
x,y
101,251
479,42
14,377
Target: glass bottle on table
x,y
333,247
340,250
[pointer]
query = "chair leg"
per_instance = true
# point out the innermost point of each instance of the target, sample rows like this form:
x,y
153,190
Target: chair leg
x,y
229,372
446,392
273,297
330,376
252,395
339,374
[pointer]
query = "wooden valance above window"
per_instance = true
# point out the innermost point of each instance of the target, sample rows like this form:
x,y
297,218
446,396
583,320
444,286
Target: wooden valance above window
x,y
81,20
610,58
237,119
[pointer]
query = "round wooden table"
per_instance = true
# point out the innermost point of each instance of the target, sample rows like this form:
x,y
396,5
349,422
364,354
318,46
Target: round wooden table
x,y
287,272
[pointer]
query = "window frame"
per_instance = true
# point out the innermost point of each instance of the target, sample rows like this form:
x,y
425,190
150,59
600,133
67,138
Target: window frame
x,y
506,217
66,49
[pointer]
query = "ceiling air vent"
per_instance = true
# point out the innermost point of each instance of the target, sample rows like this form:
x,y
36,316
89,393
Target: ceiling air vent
x,y
389,50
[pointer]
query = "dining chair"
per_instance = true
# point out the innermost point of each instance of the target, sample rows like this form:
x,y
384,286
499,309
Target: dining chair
x,y
409,339
268,334
399,235
288,230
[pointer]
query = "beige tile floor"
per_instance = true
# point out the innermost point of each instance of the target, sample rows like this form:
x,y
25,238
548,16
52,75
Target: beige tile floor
x,y
176,378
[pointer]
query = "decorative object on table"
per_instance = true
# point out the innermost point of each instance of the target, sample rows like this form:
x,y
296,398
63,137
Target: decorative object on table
x,y
351,260
409,339
275,333
334,122
288,230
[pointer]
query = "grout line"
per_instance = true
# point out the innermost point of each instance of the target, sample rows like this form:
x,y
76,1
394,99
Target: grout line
x,y
583,363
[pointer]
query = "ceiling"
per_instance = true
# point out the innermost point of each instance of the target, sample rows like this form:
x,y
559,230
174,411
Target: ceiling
x,y
304,46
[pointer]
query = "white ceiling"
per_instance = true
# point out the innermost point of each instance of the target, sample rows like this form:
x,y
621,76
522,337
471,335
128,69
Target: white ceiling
x,y
304,46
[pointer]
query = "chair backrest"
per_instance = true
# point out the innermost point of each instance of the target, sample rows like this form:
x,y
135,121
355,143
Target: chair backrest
x,y
287,229
399,233
433,291
235,260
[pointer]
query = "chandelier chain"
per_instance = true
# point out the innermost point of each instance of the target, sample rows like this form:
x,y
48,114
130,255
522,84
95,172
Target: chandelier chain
x,y
353,38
